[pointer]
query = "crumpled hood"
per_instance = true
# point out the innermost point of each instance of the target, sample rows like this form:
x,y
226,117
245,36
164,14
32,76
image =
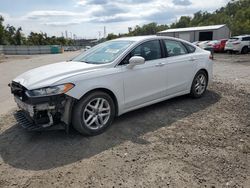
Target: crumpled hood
x,y
47,75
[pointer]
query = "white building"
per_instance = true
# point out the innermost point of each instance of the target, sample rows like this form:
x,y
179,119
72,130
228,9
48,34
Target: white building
x,y
203,33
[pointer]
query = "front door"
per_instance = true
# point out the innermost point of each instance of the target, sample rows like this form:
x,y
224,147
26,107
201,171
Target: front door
x,y
146,82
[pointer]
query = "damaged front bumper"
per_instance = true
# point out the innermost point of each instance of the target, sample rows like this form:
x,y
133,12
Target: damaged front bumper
x,y
42,113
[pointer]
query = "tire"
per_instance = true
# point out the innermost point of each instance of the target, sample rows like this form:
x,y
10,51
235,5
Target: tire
x,y
93,114
244,50
199,84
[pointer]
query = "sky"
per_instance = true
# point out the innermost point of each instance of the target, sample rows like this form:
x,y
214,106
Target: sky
x,y
87,18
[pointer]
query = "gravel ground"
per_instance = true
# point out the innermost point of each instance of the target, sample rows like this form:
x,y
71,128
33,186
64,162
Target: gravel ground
x,y
181,142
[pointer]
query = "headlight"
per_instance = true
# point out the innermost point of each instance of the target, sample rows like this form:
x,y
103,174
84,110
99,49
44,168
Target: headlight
x,y
48,91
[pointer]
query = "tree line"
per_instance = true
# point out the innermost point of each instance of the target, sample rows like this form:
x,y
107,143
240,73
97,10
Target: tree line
x,y
236,15
10,35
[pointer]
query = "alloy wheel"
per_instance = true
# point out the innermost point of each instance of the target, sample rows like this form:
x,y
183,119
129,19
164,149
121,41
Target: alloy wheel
x,y
200,84
96,113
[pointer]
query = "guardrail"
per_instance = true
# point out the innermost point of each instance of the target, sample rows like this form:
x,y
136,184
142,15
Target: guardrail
x,y
1,50
30,50
43,49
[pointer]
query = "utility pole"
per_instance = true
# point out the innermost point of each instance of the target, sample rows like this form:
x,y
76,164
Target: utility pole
x,y
104,32
66,34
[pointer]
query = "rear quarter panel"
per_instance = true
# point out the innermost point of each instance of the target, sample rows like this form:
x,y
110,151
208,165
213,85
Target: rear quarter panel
x,y
204,62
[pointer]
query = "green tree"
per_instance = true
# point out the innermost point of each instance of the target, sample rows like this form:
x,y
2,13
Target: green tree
x,y
183,22
19,38
236,14
111,36
10,32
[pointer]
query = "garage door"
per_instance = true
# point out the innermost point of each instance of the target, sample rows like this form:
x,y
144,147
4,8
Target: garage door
x,y
206,36
185,36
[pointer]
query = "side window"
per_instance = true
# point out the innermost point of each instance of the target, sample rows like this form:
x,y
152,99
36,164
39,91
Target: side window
x,y
190,48
150,50
246,39
175,48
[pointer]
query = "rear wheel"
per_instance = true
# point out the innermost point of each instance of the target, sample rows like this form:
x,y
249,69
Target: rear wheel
x,y
94,113
244,50
199,85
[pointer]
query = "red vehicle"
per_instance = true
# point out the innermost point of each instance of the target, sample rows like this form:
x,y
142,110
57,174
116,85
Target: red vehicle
x,y
218,45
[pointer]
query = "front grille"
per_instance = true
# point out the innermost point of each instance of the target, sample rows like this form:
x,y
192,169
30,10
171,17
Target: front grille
x,y
27,123
23,120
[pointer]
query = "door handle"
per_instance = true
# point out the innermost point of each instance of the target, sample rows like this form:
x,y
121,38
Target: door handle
x,y
160,64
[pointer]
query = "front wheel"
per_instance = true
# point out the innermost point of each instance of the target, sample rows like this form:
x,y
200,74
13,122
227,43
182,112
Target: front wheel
x,y
94,113
199,85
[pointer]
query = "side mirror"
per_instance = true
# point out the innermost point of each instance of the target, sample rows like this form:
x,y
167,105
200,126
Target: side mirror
x,y
136,60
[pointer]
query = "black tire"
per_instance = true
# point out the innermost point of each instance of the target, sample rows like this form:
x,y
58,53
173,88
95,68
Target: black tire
x,y
194,92
78,113
244,50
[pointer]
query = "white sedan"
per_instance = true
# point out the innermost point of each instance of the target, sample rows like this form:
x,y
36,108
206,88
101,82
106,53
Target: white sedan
x,y
108,80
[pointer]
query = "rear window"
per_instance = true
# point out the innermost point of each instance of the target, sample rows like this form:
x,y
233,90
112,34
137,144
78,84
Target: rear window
x,y
175,48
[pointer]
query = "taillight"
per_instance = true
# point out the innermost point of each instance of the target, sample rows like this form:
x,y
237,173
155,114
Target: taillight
x,y
211,57
236,43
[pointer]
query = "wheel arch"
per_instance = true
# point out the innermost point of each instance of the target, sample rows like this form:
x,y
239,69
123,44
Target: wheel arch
x,y
243,48
109,92
203,69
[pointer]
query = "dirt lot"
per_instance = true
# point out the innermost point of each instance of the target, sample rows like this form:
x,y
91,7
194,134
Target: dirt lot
x,y
178,143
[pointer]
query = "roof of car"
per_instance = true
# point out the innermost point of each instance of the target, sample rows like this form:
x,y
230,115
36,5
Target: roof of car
x,y
240,36
137,38
146,37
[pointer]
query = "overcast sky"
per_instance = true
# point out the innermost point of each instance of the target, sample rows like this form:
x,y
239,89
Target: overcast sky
x,y
86,18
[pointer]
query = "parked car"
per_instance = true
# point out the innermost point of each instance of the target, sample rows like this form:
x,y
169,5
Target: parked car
x,y
196,43
203,44
212,42
108,80
239,44
86,48
219,46
70,48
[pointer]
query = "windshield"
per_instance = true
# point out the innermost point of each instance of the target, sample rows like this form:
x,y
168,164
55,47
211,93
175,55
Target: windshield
x,y
104,53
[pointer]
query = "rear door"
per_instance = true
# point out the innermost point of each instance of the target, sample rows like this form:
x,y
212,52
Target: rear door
x,y
180,66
